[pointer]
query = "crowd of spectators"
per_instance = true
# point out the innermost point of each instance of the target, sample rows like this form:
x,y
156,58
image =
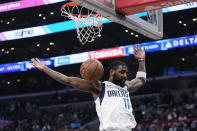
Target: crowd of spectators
x,y
29,117
167,113
162,112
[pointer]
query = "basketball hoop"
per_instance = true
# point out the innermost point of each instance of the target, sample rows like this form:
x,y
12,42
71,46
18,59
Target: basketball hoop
x,y
88,23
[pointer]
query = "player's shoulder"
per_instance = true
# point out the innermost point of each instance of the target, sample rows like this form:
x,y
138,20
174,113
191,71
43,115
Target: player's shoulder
x,y
127,82
107,83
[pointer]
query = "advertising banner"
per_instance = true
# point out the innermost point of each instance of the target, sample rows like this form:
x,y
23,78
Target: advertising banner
x,y
12,67
40,30
149,47
22,33
28,64
78,58
10,6
161,45
22,66
179,42
61,60
107,53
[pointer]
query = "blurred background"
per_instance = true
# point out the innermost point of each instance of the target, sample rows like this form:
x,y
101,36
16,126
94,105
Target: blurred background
x,y
32,101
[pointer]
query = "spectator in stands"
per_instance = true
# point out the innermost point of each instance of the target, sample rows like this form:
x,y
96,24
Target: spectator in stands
x,y
36,127
171,115
173,127
26,115
46,127
182,117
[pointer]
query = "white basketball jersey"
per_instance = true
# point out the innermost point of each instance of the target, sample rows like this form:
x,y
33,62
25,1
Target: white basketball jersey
x,y
114,108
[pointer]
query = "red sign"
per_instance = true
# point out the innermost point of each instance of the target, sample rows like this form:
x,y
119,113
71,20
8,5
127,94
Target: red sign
x,y
107,53
129,7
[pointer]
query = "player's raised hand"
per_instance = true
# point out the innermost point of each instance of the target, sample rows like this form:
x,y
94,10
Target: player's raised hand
x,y
139,52
38,64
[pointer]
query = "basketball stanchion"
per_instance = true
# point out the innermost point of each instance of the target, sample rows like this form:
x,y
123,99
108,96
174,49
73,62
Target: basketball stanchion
x,y
89,14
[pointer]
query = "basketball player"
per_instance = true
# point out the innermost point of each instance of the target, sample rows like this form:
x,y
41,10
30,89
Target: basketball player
x,y
111,97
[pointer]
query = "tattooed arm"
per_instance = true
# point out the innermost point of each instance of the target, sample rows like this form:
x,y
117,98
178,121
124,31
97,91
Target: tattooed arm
x,y
140,79
76,82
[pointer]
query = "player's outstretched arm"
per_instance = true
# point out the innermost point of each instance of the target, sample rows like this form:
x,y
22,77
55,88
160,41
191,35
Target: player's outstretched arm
x,y
76,82
140,79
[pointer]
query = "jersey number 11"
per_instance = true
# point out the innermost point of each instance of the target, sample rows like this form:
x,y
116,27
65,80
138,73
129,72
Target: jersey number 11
x,y
126,103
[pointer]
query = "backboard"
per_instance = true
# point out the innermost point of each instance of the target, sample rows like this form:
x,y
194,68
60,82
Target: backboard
x,y
152,28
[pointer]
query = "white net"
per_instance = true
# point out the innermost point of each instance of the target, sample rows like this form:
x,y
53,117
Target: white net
x,y
88,26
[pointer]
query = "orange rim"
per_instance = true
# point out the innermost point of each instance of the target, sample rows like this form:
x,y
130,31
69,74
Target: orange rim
x,y
71,4
77,15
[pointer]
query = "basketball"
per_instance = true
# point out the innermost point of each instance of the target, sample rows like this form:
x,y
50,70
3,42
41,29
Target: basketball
x,y
91,70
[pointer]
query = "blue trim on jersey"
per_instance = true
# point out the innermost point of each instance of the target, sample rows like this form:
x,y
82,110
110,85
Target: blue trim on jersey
x,y
102,93
127,87
128,103
125,103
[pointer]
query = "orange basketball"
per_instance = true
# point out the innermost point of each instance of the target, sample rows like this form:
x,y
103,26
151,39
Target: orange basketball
x,y
91,70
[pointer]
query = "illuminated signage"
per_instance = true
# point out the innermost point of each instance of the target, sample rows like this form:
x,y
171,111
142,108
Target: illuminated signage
x,y
69,25
62,60
161,45
78,58
40,30
25,4
2,68
24,33
33,3
71,59
13,67
149,46
28,64
107,53
179,42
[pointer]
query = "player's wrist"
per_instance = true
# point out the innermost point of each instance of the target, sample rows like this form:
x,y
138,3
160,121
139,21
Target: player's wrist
x,y
44,68
141,59
141,74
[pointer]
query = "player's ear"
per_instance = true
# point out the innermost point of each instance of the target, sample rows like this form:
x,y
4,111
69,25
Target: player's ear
x,y
111,72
